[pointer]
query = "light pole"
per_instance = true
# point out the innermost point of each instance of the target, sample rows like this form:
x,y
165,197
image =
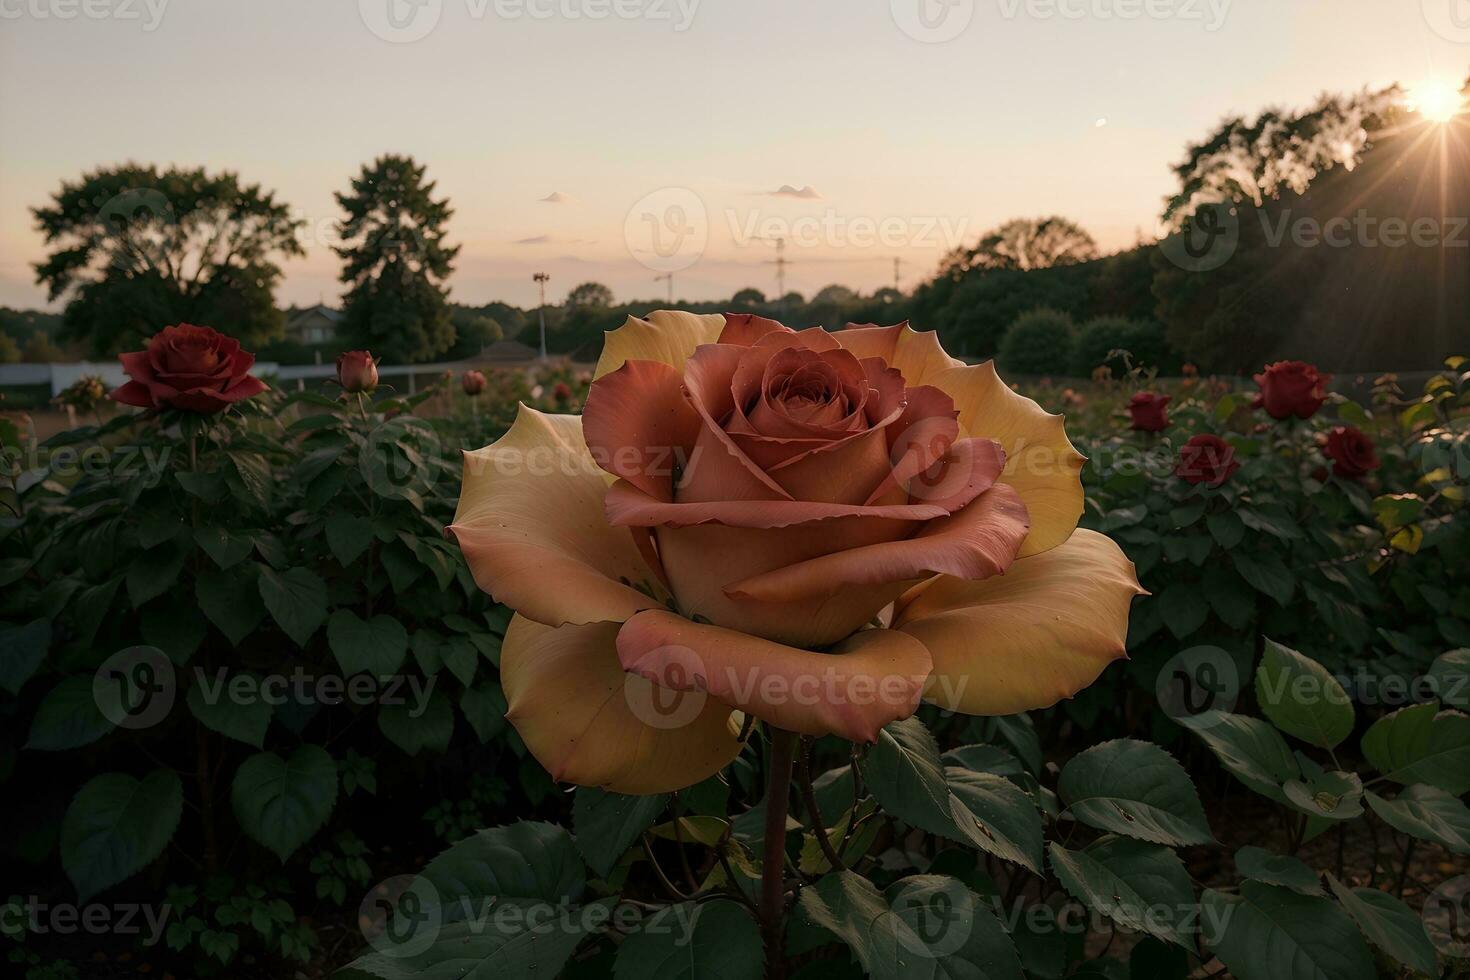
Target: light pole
x,y
541,279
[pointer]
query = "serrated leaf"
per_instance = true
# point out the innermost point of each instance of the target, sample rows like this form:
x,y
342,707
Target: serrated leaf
x,y
211,701
1390,925
1271,933
225,547
116,826
1421,744
1136,789
281,803
296,599
376,646
1450,676
606,824
1141,886
1184,609
1427,813
1301,698
484,708
230,600
1253,751
999,812
1277,869
68,718
693,941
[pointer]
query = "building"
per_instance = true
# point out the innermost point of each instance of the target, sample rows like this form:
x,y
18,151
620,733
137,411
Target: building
x,y
313,325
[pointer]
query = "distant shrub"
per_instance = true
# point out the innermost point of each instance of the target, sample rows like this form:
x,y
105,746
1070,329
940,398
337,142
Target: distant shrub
x,y
1039,342
1101,336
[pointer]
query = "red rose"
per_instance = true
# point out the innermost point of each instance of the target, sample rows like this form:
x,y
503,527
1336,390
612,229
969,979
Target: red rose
x,y
1351,452
1291,388
1206,459
562,392
473,382
197,369
357,371
1148,411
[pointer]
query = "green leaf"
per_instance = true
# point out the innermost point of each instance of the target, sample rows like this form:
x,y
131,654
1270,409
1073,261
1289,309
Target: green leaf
x,y
1266,573
153,573
418,723
1421,744
1272,520
224,546
1427,813
1390,925
68,718
245,720
1136,789
1325,795
1142,887
1253,751
281,803
999,813
525,862
230,600
1277,869
1226,528
924,925
1232,600
116,826
348,536
22,648
1301,698
1270,933
1184,609
484,708
693,941
1450,676
376,646
174,628
606,824
297,600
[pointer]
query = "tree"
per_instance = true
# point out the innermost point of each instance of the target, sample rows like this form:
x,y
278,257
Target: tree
x,y
9,353
590,295
138,249
1039,342
1024,244
396,262
39,349
747,298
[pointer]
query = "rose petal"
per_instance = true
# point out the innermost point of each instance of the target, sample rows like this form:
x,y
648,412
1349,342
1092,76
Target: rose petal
x,y
872,678
917,355
590,723
638,425
531,525
1026,639
744,329
1040,461
665,336
133,393
977,542
707,378
631,507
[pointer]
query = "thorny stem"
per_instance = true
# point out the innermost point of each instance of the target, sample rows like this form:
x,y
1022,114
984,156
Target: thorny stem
x,y
773,866
809,800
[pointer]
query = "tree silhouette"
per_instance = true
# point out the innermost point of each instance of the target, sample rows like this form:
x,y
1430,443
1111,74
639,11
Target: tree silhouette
x,y
1024,244
396,262
137,249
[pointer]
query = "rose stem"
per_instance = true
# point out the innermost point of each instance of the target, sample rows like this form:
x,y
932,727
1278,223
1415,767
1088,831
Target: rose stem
x,y
773,865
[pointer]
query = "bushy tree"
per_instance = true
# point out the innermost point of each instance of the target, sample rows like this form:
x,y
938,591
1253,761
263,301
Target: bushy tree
x,y
593,295
1024,244
135,249
396,262
1101,341
1039,342
747,298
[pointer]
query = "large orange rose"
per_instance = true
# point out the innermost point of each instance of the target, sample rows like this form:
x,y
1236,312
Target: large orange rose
x,y
818,529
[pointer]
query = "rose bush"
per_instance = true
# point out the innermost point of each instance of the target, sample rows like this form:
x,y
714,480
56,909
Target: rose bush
x,y
782,509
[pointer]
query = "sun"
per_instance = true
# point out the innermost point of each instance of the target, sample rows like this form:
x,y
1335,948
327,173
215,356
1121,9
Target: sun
x,y
1437,101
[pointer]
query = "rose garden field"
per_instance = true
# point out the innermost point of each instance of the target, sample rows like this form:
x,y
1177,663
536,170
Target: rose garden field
x,y
748,651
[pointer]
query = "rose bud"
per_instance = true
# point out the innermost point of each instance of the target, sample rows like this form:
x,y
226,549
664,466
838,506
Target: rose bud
x,y
196,369
1148,411
1351,451
562,392
357,371
1206,459
1291,388
473,382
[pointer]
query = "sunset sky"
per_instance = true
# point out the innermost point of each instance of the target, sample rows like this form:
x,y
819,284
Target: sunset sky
x,y
908,145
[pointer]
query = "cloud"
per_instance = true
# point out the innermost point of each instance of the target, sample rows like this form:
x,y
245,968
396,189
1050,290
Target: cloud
x,y
557,197
786,190
533,240
551,239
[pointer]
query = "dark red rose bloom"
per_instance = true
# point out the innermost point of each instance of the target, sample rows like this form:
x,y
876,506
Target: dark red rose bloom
x,y
473,382
1149,411
1291,388
1351,451
357,371
197,369
562,392
1206,459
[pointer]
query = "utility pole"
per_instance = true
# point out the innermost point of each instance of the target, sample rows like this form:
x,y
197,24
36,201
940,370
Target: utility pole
x,y
668,277
896,263
541,279
781,263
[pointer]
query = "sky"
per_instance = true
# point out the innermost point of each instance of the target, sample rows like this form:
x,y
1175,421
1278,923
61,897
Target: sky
x,y
664,131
